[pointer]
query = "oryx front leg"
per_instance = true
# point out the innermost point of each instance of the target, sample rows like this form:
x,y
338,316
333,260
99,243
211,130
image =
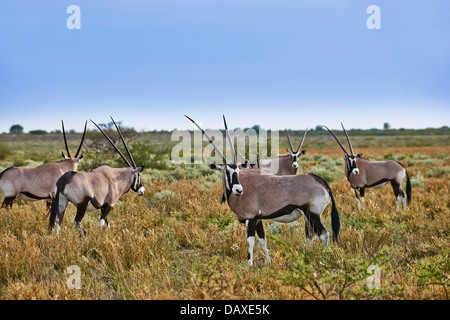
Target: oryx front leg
x,y
359,197
104,217
251,226
262,239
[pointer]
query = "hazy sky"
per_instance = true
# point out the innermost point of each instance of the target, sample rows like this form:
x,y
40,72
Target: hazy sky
x,y
278,63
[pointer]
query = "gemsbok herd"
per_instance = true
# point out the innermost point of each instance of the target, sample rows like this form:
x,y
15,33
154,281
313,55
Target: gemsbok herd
x,y
269,189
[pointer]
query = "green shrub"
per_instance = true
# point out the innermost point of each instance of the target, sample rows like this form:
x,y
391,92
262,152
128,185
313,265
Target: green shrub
x,y
5,151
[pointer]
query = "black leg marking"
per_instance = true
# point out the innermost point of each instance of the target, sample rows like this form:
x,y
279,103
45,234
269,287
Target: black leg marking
x,y
361,192
319,229
105,211
251,227
8,202
81,210
260,229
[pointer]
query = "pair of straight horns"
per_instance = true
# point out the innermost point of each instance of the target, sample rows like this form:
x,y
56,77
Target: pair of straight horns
x,y
348,139
115,147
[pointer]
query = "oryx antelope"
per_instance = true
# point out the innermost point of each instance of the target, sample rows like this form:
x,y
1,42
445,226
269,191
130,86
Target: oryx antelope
x,y
286,165
282,165
254,196
38,183
363,173
97,189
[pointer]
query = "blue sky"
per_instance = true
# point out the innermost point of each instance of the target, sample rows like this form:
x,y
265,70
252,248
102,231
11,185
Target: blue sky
x,y
280,64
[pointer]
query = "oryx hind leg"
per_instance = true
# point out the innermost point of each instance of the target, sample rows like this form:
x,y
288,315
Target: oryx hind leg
x,y
309,232
62,205
262,238
81,210
319,229
399,195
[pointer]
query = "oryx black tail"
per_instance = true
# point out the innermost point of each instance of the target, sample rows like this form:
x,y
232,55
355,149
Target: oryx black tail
x,y
335,221
54,210
60,185
408,188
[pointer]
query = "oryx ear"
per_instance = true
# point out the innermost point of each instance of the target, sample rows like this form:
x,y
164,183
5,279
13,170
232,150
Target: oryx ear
x,y
62,153
81,156
345,156
288,151
244,165
215,167
359,155
303,152
139,169
253,165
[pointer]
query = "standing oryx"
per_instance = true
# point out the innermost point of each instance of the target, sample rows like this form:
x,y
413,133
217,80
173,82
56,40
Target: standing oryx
x,y
363,173
288,164
97,189
38,183
253,196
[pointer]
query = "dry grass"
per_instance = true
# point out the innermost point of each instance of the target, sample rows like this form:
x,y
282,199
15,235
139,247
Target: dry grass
x,y
180,242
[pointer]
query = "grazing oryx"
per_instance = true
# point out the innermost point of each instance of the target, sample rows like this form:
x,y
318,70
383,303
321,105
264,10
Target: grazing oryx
x,y
288,164
38,183
254,196
97,189
363,173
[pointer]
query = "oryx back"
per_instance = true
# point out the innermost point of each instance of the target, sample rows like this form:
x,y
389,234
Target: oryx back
x,y
278,166
34,183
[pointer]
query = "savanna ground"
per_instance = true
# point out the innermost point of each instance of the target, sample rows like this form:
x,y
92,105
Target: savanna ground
x,y
178,241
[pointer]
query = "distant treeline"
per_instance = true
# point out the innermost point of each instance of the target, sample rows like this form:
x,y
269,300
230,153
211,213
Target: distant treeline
x,y
444,130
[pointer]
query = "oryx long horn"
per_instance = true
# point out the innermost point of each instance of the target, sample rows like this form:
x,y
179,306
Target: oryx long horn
x,y
289,140
301,142
112,143
229,140
65,139
348,139
82,140
123,140
336,139
209,139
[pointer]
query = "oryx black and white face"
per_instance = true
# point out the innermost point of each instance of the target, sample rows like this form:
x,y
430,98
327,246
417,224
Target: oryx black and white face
x,y
295,157
137,185
231,177
350,164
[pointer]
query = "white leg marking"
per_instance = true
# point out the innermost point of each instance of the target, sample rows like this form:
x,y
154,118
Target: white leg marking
x,y
311,239
251,243
263,242
359,203
324,237
102,222
399,199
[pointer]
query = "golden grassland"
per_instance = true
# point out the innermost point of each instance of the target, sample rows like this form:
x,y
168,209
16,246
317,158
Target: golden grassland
x,y
179,241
